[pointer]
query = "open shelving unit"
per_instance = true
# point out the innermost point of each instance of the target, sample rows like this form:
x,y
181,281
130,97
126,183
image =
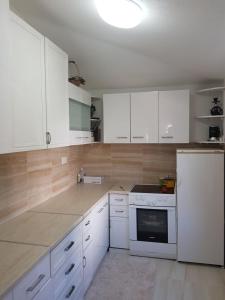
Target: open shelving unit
x,y
202,119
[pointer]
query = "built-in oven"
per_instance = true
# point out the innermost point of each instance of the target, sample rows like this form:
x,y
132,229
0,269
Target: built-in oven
x,y
152,224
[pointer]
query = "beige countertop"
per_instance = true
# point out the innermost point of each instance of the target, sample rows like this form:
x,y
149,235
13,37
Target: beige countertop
x,y
38,228
78,200
15,261
26,238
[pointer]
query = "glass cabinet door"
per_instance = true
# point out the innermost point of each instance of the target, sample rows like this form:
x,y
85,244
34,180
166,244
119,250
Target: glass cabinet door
x,y
80,116
152,225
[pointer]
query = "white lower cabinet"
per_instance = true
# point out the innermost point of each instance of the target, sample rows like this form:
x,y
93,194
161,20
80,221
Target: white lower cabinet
x,y
88,263
119,221
8,296
46,292
33,281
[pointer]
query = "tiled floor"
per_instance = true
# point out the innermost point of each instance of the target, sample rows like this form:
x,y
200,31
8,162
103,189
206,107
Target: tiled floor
x,y
124,277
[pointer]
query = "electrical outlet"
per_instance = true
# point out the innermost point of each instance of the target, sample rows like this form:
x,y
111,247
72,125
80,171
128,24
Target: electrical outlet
x,y
64,160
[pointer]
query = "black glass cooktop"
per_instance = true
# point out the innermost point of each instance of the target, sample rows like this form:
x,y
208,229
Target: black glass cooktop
x,y
146,188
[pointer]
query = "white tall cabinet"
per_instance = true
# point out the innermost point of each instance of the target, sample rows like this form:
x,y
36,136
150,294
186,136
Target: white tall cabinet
x,y
28,86
174,116
56,64
116,110
144,117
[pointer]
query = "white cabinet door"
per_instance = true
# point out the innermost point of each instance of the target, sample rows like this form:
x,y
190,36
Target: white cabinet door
x,y
174,116
8,296
5,99
119,233
27,86
88,266
46,292
57,95
116,112
144,117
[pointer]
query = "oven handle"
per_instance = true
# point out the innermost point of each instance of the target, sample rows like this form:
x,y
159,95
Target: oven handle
x,y
133,206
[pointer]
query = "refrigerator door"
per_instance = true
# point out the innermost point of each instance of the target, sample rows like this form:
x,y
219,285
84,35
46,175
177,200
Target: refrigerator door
x,y
200,201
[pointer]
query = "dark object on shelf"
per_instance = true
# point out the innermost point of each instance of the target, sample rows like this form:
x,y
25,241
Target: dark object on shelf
x,y
214,133
216,110
75,79
93,110
95,123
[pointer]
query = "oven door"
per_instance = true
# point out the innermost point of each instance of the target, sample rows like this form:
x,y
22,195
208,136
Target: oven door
x,y
152,224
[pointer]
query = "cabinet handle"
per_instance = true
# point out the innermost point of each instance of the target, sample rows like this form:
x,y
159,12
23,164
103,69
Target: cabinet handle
x,y
70,269
119,211
84,261
48,138
167,137
119,200
100,210
36,283
138,137
70,292
88,238
106,204
69,246
122,137
88,222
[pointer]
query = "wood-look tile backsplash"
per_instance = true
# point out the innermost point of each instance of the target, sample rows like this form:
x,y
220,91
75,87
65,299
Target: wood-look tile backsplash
x,y
29,178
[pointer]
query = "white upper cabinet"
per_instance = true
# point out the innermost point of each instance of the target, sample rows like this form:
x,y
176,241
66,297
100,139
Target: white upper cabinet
x,y
56,95
5,103
174,116
116,110
27,87
144,117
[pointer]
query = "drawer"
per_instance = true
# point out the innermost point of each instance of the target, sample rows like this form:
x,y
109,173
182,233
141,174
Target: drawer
x,y
65,248
118,199
32,282
87,222
119,211
67,271
87,239
73,287
46,292
119,233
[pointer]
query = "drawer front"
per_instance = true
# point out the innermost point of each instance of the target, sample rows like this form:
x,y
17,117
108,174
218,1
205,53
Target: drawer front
x,y
67,271
29,286
65,249
87,223
46,292
118,199
118,211
87,239
73,288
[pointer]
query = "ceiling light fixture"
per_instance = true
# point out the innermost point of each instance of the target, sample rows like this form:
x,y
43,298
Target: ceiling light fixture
x,y
121,13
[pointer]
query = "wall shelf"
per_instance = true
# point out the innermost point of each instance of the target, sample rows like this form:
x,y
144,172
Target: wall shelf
x,y
210,142
212,90
210,117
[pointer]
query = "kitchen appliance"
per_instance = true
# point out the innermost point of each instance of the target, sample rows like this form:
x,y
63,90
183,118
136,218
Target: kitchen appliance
x,y
152,222
216,109
214,133
200,206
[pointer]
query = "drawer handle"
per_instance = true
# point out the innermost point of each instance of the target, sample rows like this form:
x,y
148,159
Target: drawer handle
x,y
88,222
119,199
167,137
84,261
88,238
122,137
36,283
119,211
100,210
70,292
69,246
138,137
70,269
106,204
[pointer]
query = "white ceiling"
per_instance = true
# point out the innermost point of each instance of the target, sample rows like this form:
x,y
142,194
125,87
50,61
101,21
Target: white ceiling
x,y
180,41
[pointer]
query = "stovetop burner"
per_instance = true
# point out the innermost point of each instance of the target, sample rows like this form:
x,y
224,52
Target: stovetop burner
x,y
148,189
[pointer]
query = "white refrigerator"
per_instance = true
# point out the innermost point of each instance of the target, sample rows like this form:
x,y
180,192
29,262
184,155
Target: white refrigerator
x,y
200,206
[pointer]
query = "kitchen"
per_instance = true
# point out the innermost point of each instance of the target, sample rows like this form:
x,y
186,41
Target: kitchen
x,y
137,233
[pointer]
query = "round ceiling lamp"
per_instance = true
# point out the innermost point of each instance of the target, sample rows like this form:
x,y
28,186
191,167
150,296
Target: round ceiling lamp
x,y
121,13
